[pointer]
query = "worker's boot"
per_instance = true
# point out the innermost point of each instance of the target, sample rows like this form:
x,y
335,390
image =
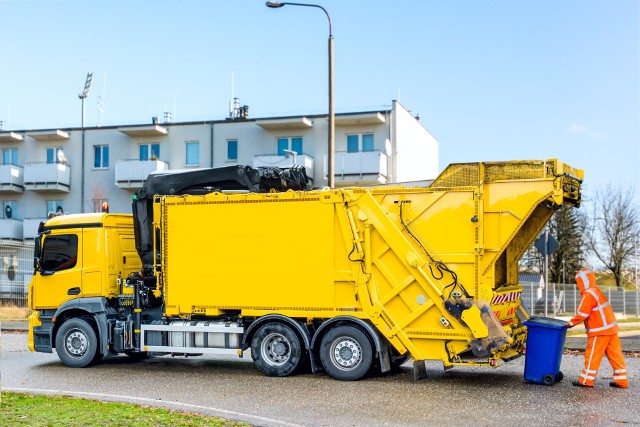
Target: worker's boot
x,y
616,385
579,384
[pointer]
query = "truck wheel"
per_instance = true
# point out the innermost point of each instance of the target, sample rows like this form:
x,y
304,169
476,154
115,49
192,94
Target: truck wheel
x,y
276,350
346,353
76,343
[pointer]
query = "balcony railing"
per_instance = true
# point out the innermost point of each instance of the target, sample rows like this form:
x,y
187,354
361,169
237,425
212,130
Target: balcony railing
x,y
11,179
285,161
133,173
360,168
11,229
48,177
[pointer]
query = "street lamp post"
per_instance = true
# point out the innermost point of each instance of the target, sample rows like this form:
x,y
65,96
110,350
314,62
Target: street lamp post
x,y
331,132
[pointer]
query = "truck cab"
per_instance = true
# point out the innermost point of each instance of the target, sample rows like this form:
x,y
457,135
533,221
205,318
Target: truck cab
x,y
79,264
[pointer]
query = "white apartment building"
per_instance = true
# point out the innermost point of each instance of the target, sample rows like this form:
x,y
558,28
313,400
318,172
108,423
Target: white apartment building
x,y
77,169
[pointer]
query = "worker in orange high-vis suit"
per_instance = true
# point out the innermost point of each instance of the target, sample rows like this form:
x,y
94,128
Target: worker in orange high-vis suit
x,y
602,332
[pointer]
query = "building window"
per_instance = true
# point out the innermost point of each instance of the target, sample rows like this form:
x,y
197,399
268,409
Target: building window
x,y
9,209
99,204
367,142
101,156
232,149
54,207
193,153
289,143
149,151
55,155
10,156
359,142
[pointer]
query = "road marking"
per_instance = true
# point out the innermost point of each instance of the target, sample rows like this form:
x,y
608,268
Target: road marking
x,y
223,413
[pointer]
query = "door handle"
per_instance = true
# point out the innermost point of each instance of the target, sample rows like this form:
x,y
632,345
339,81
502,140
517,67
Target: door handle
x,y
74,291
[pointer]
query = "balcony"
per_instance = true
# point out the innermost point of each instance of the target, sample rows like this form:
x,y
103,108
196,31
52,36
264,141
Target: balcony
x,y
151,130
30,227
11,179
47,177
361,168
131,174
286,123
11,229
49,135
285,161
11,137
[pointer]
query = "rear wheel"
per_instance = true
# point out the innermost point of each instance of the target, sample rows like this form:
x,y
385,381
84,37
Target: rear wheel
x,y
548,379
346,353
276,350
76,343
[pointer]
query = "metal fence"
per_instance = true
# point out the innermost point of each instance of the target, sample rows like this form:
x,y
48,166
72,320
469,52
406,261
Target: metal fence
x,y
16,269
564,299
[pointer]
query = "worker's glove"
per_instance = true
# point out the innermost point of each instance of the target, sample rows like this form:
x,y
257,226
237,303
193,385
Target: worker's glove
x,y
568,325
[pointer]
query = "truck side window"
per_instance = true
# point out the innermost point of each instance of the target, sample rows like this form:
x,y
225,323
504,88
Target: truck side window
x,y
59,252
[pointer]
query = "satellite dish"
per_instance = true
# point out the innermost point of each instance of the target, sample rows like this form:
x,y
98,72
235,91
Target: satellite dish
x,y
61,157
8,212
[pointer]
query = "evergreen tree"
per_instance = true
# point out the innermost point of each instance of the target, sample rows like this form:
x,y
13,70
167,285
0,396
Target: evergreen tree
x,y
567,226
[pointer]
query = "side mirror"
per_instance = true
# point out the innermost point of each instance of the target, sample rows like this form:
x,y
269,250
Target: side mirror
x,y
36,263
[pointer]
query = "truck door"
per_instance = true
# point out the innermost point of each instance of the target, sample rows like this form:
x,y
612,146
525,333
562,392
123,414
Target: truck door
x,y
60,276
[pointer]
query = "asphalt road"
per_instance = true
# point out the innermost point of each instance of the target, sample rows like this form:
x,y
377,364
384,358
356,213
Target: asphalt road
x,y
234,389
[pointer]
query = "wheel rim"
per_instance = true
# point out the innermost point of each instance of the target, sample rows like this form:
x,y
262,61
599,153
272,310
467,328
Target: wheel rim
x,y
275,349
346,353
77,343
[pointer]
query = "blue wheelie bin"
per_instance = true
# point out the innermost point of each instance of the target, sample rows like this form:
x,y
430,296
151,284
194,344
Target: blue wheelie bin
x,y
545,343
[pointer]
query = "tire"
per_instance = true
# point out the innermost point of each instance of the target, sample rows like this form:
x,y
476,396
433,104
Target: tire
x,y
277,351
76,343
346,353
548,379
559,377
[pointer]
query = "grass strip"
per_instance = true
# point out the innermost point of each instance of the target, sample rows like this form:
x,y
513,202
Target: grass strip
x,y
20,409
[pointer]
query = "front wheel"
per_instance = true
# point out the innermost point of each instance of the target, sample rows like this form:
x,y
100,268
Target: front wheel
x,y
276,350
76,343
346,353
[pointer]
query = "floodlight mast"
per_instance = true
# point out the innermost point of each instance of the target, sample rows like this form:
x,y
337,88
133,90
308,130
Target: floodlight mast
x,y
83,97
85,93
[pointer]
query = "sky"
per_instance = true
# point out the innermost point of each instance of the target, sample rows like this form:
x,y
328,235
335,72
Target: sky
x,y
491,80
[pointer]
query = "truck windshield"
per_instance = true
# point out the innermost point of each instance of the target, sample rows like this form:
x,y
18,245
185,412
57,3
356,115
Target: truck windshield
x,y
59,252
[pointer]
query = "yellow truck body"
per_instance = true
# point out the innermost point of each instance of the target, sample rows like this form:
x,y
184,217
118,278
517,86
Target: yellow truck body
x,y
430,273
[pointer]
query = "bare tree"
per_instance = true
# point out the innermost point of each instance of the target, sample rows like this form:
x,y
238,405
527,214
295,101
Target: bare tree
x,y
613,229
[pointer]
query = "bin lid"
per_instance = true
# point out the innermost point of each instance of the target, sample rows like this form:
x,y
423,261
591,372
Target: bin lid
x,y
545,322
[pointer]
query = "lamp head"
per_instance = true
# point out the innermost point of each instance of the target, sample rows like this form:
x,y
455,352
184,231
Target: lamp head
x,y
274,4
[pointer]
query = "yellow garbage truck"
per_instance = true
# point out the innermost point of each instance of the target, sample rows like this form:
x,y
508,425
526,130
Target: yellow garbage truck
x,y
348,281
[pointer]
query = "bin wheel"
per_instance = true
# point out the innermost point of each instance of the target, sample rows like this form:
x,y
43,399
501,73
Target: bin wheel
x,y
548,379
559,377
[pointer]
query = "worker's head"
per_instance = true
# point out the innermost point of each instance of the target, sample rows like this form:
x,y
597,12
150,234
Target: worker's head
x,y
585,279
